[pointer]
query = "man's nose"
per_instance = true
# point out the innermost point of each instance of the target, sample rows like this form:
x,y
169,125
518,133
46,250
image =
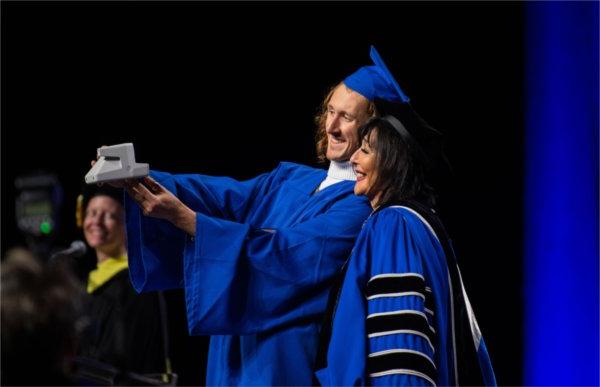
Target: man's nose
x,y
333,124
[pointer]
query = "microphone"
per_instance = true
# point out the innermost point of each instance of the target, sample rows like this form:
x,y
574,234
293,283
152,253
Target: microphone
x,y
77,249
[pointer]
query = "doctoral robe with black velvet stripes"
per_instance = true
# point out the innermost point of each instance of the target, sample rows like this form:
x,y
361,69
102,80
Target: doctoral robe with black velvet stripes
x,y
392,324
259,270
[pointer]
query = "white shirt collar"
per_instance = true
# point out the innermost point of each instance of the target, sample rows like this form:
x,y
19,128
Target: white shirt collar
x,y
341,171
338,171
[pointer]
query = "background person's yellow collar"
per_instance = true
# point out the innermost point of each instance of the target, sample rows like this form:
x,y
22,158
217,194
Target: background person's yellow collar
x,y
105,271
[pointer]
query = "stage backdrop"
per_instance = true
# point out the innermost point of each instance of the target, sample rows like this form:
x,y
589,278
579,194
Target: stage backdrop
x,y
232,88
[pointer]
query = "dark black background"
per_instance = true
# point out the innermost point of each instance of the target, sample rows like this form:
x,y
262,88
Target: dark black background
x,y
232,88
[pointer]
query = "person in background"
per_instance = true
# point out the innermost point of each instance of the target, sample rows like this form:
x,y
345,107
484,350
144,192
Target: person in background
x,y
125,329
41,318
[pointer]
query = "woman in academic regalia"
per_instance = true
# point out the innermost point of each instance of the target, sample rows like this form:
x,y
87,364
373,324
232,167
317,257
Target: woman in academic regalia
x,y
125,329
401,316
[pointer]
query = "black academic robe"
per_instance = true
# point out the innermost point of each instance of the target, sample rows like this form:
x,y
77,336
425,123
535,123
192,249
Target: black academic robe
x,y
125,327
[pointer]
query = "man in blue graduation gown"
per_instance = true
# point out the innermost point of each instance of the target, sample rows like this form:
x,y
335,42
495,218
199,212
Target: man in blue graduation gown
x,y
256,258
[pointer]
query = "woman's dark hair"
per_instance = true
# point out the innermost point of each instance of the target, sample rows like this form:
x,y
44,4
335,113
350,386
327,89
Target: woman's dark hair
x,y
400,161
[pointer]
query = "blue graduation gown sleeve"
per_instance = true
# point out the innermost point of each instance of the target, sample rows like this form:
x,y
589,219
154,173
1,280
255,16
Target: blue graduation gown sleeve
x,y
393,299
155,246
262,261
243,280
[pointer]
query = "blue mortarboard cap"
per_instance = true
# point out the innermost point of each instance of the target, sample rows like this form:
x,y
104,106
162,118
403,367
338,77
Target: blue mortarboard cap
x,y
376,81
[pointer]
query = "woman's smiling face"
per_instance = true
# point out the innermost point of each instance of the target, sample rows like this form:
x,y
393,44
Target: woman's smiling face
x,y
103,223
365,166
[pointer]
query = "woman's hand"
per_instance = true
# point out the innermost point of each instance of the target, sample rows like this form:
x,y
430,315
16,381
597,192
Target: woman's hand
x,y
158,202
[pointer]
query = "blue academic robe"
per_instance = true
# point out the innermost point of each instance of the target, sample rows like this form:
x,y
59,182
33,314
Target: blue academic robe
x,y
393,320
258,272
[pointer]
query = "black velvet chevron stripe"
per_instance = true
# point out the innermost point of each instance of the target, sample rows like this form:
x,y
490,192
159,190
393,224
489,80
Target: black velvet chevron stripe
x,y
429,304
401,321
401,360
390,285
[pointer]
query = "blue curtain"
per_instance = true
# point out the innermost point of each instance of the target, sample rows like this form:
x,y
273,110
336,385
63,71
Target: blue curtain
x,y
561,194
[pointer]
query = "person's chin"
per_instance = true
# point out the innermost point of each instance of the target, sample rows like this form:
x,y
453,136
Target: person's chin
x,y
339,157
94,244
336,152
